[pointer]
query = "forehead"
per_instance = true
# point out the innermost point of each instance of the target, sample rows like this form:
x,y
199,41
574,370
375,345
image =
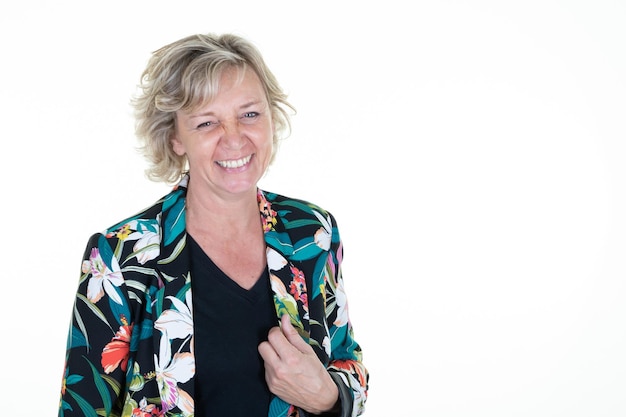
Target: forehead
x,y
232,81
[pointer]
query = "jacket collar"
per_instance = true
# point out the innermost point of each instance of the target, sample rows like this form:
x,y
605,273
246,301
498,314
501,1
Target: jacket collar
x,y
174,259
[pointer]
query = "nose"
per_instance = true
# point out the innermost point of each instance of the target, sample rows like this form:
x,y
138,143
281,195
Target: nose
x,y
232,135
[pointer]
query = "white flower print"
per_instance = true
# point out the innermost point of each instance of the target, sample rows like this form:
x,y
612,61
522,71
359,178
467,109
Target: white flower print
x,y
147,247
323,235
275,261
103,280
176,324
342,304
170,370
148,240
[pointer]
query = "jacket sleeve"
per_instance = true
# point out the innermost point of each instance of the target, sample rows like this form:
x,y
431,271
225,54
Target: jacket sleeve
x,y
99,337
346,358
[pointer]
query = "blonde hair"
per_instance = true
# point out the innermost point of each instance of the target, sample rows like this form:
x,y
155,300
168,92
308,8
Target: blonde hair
x,y
184,75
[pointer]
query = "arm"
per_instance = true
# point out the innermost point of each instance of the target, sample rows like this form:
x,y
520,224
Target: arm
x,y
294,372
346,358
330,365
99,337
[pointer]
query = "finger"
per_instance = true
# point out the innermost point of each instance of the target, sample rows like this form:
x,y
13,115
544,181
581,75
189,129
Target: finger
x,y
285,324
278,340
267,352
292,335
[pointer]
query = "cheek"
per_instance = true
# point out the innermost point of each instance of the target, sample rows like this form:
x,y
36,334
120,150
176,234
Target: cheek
x,y
269,143
263,136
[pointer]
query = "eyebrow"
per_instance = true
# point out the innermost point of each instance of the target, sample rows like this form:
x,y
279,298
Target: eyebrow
x,y
242,107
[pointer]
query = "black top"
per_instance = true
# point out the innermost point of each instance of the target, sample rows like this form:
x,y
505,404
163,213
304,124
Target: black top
x,y
229,323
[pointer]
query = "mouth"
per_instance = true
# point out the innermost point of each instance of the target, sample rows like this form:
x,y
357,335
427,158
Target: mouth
x,y
235,163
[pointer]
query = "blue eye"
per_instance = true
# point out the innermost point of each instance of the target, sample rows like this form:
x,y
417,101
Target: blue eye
x,y
206,124
251,114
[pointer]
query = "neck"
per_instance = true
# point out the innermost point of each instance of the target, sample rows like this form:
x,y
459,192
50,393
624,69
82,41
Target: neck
x,y
208,213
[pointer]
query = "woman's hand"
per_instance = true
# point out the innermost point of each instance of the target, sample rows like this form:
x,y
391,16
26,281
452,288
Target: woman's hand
x,y
294,373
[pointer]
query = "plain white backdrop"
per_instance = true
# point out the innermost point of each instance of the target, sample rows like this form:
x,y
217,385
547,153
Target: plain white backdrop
x,y
472,152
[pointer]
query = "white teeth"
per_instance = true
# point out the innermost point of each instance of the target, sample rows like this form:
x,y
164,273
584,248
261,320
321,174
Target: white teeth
x,y
235,163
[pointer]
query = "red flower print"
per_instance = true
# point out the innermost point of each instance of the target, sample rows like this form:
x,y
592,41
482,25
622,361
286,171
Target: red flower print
x,y
297,287
293,411
115,353
349,367
146,410
268,215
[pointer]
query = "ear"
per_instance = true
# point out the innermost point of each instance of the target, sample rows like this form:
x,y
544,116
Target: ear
x,y
177,145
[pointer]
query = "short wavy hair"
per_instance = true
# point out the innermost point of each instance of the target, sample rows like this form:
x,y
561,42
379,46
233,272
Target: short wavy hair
x,y
184,75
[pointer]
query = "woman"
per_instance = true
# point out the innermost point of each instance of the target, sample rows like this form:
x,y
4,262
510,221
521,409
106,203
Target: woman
x,y
267,329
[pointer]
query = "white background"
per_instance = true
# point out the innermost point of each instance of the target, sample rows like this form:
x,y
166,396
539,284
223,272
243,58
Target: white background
x,y
472,151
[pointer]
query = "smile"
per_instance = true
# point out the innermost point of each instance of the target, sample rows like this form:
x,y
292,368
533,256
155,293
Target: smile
x,y
236,163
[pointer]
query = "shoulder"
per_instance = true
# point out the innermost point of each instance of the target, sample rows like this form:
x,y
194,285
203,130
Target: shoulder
x,y
169,205
292,209
149,220
149,213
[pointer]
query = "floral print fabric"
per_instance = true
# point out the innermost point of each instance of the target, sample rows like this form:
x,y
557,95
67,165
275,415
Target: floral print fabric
x,y
130,346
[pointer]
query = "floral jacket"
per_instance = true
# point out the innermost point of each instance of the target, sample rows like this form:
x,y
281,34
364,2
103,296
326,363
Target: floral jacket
x,y
130,346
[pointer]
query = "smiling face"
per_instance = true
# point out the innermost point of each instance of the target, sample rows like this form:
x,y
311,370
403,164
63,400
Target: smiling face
x,y
228,141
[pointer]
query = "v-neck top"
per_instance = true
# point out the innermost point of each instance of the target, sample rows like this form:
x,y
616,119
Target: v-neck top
x,y
229,323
